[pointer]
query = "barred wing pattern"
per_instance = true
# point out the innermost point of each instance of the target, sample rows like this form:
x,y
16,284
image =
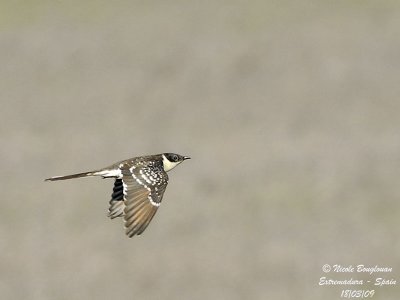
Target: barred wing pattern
x,y
117,204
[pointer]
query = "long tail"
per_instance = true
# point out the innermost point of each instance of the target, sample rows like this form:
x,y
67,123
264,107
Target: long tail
x,y
85,174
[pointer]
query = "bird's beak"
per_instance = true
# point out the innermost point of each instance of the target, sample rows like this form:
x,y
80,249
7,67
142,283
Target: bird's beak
x,y
186,157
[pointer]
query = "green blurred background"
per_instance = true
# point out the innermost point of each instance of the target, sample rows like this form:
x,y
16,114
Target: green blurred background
x,y
289,109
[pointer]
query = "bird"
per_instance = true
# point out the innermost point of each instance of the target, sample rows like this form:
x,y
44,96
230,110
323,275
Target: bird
x,y
139,186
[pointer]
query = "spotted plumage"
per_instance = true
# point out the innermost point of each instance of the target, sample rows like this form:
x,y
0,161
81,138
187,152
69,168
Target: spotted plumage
x,y
139,187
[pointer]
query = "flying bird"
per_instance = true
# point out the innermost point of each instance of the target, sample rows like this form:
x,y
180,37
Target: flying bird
x,y
139,186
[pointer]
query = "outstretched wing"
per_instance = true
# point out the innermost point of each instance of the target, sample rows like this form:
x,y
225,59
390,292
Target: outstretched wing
x,y
143,189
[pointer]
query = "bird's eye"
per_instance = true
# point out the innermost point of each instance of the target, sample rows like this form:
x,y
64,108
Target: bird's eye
x,y
175,157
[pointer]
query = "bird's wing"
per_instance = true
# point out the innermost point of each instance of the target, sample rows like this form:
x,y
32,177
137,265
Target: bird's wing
x,y
143,189
117,204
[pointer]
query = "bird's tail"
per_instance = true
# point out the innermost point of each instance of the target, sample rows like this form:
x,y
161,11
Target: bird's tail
x,y
78,175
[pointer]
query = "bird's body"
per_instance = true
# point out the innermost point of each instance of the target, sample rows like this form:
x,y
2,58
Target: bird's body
x,y
139,186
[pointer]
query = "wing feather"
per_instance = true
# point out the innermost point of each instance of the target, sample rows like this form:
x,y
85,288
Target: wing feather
x,y
140,221
117,205
141,196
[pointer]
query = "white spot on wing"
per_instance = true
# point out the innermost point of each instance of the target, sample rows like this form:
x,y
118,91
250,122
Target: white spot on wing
x,y
146,187
125,188
153,202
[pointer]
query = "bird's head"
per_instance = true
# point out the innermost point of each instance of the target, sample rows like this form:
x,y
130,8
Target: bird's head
x,y
171,160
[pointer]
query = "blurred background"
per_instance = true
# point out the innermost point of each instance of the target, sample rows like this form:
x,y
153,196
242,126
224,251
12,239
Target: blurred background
x,y
290,111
